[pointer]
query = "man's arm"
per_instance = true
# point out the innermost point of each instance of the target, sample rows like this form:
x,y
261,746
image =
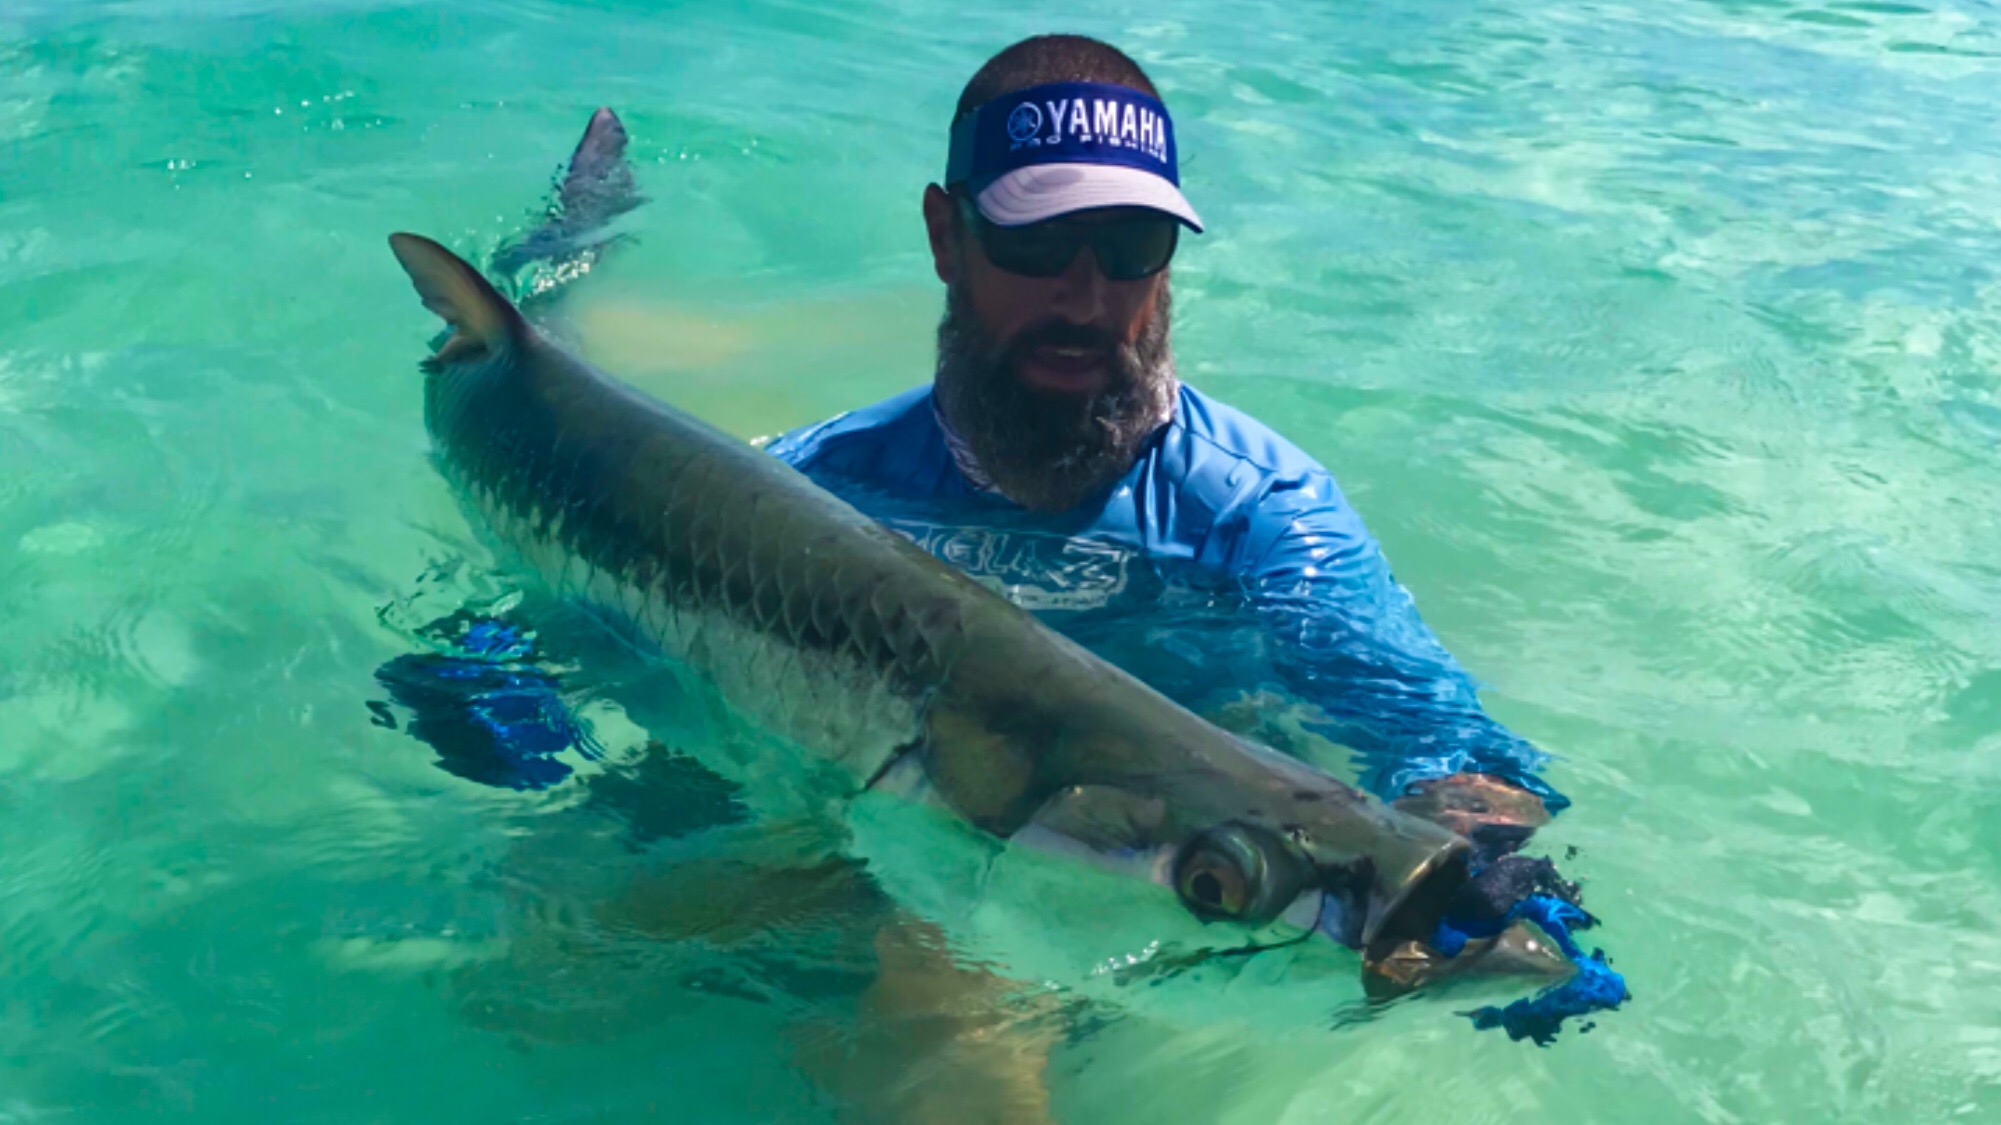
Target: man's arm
x,y
938,1042
1348,638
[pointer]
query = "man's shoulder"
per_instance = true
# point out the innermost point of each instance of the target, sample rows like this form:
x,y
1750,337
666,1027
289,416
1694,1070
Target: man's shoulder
x,y
852,430
1216,435
1250,488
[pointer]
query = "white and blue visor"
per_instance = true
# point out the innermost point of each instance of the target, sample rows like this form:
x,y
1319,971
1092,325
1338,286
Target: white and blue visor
x,y
1049,150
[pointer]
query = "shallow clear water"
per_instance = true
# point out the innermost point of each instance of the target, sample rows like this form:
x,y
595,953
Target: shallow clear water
x,y
1657,342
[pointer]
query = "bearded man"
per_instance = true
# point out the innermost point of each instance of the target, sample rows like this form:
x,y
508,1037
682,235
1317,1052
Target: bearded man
x,y
1054,412
1055,406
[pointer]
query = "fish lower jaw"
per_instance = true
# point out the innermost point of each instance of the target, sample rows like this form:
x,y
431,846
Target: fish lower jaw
x,y
1520,952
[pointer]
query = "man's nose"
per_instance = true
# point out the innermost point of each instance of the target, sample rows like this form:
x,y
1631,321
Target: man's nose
x,y
1079,293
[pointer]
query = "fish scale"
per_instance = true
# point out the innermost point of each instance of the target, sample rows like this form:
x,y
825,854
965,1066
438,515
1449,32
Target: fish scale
x,y
714,596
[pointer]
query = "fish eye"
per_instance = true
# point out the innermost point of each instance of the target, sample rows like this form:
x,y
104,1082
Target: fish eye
x,y
1239,873
1212,885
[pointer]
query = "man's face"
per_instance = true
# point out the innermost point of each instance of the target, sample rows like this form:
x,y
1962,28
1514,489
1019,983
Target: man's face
x,y
1055,382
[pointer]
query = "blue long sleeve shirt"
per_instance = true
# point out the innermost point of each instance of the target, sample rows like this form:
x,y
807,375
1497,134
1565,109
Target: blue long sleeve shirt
x,y
1221,495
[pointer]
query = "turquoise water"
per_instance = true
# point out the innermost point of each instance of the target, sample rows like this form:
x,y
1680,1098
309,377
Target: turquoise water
x,y
1657,342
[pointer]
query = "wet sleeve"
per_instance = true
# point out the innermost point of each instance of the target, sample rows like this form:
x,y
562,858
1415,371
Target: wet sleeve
x,y
798,448
1347,637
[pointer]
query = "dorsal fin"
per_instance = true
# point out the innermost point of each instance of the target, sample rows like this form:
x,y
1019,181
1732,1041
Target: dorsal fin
x,y
483,322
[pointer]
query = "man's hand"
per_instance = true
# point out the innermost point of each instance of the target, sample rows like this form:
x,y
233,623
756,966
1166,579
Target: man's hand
x,y
1497,816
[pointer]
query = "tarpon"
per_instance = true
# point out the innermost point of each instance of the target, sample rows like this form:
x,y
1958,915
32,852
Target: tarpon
x,y
837,633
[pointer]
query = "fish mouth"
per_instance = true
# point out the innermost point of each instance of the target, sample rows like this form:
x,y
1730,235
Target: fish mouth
x,y
1367,917
1394,929
1398,937
1410,908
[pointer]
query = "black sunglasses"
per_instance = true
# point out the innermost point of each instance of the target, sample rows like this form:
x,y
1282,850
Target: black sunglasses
x,y
1126,249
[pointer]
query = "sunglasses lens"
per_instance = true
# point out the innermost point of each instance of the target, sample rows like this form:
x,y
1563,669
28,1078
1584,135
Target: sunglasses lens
x,y
1131,250
1037,250
1126,250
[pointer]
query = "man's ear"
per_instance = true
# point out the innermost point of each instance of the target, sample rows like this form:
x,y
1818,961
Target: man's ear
x,y
941,222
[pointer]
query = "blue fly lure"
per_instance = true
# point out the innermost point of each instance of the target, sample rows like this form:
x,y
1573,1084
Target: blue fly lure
x,y
1595,987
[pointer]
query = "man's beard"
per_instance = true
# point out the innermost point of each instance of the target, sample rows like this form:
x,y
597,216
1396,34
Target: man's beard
x,y
1047,450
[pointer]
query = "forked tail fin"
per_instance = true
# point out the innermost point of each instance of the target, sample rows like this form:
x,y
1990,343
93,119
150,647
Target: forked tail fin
x,y
597,187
